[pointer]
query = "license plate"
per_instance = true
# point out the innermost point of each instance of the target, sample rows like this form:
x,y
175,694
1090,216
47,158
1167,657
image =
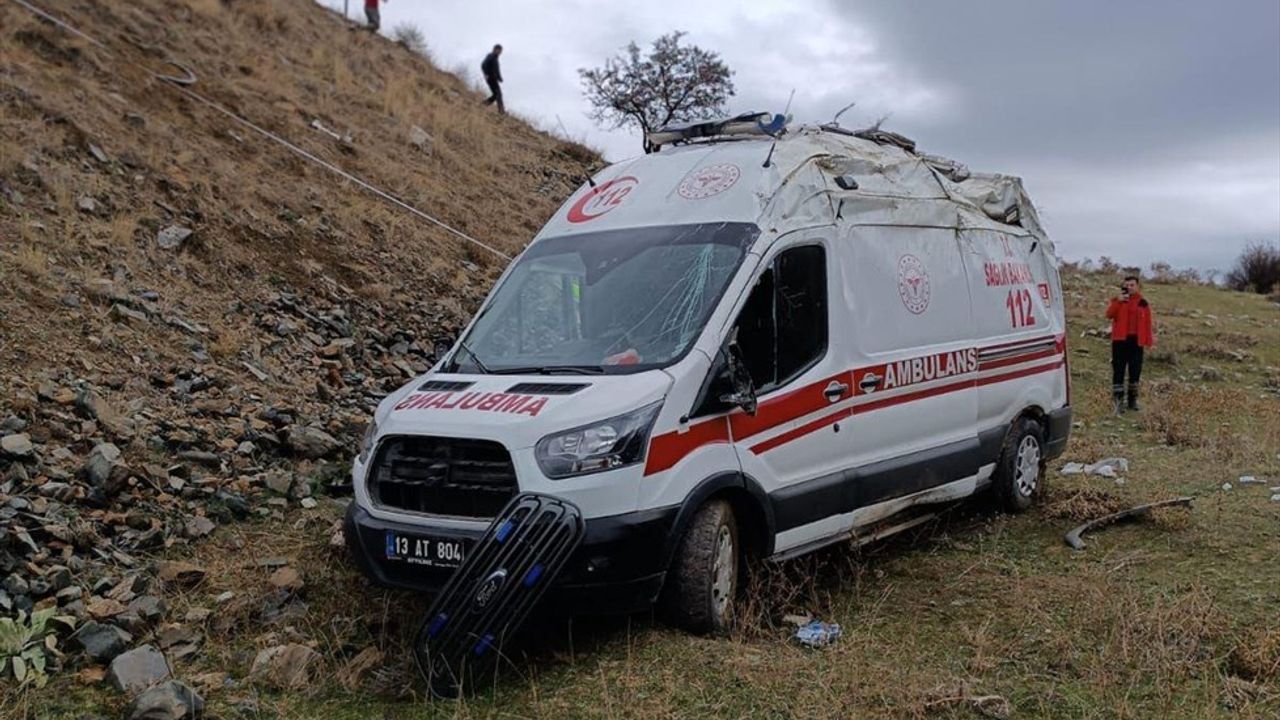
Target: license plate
x,y
428,551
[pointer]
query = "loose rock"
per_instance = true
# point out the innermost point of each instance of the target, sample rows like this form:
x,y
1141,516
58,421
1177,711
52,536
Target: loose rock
x,y
101,642
138,669
311,442
171,700
181,573
172,236
17,446
285,666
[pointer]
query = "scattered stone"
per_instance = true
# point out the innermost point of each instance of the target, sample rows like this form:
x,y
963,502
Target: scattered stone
x,y
420,138
101,642
309,503
86,204
17,446
285,666
199,526
148,607
1209,373
92,406
351,676
171,700
121,313
278,481
180,573
138,669
1226,486
104,608
172,236
311,443
98,154
103,459
180,641
208,459
286,578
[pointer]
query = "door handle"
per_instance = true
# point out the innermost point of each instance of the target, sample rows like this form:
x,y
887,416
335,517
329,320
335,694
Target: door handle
x,y
869,382
835,390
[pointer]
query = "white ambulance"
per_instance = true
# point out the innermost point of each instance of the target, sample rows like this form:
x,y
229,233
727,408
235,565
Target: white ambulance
x,y
744,346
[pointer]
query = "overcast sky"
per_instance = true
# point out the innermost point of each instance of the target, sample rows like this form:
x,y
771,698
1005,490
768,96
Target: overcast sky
x,y
1145,129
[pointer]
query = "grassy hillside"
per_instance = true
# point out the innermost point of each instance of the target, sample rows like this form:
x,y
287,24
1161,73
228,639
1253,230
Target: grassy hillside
x,y
976,615
299,300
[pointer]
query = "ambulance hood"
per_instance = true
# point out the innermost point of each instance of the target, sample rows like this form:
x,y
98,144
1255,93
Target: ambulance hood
x,y
517,410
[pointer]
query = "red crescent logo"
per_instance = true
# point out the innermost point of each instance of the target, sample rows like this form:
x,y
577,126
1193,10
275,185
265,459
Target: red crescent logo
x,y
601,199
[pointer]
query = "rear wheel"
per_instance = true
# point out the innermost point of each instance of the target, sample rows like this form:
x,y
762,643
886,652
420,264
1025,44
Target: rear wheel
x,y
702,584
1019,475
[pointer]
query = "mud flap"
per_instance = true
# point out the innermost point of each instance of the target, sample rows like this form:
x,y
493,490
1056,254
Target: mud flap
x,y
489,596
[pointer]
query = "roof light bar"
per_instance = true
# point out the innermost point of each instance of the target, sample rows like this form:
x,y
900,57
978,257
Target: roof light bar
x,y
752,123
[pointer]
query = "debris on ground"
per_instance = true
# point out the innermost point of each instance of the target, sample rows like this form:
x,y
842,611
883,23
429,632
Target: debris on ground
x,y
1108,468
1250,480
1226,486
817,634
1073,538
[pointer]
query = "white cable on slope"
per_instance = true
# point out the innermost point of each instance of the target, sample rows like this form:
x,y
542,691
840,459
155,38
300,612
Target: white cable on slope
x,y
171,82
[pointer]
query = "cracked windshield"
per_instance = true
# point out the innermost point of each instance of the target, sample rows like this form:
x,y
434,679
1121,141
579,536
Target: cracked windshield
x,y
609,302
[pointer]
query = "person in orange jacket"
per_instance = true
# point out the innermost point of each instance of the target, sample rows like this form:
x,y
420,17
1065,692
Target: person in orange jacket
x,y
1132,330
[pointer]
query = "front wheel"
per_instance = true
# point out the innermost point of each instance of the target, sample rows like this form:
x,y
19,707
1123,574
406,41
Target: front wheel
x,y
1019,475
702,584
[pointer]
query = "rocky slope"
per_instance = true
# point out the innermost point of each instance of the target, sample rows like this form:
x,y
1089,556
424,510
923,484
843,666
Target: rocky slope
x,y
195,322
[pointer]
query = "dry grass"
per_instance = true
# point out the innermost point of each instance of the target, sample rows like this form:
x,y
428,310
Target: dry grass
x,y
32,262
229,341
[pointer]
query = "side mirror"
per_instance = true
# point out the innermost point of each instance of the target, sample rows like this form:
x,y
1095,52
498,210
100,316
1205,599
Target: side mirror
x,y
441,347
739,378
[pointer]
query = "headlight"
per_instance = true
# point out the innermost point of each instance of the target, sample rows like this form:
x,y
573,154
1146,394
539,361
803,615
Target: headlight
x,y
606,445
366,442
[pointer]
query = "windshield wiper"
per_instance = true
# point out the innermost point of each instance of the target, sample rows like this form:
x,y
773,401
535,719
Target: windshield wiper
x,y
552,370
479,363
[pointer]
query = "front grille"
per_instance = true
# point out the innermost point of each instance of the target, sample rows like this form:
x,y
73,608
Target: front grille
x,y
442,476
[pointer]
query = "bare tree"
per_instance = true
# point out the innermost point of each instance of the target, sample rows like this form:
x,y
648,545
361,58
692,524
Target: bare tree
x,y
673,83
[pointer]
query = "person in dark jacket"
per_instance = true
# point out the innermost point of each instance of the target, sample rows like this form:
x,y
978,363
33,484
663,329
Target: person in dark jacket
x,y
372,15
493,78
1132,331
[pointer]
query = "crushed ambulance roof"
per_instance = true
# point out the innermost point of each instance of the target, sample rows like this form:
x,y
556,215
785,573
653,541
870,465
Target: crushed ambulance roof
x,y
727,181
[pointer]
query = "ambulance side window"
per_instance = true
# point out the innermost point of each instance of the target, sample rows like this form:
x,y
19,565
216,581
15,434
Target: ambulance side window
x,y
782,329
801,310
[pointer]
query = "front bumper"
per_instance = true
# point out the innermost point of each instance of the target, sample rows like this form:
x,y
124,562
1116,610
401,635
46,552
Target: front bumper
x,y
619,567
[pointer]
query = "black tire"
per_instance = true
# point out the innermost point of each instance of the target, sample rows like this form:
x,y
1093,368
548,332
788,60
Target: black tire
x,y
692,599
1020,472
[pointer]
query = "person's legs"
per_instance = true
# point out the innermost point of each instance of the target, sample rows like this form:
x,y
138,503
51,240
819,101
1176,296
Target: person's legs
x,y
375,20
495,94
1119,357
1135,372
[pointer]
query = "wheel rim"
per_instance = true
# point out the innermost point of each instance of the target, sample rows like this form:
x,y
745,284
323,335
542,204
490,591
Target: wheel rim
x,y
722,573
1027,471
